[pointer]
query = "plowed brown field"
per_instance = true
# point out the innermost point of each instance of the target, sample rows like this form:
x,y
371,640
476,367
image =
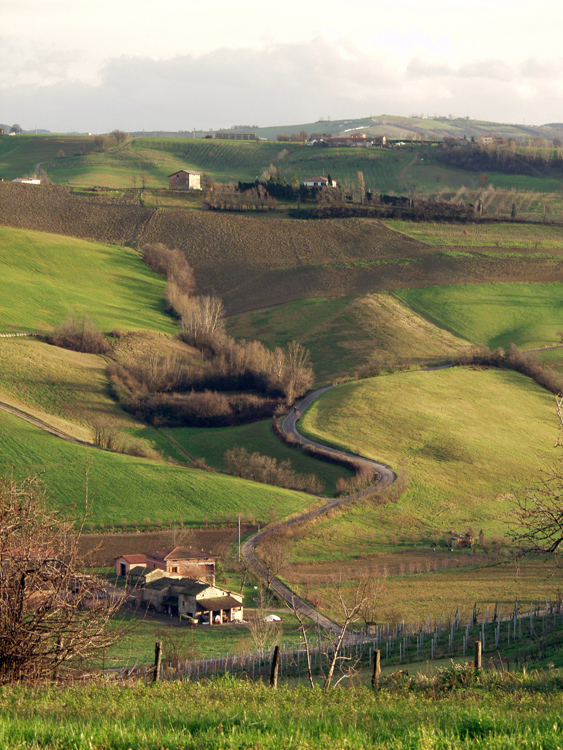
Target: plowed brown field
x,y
258,261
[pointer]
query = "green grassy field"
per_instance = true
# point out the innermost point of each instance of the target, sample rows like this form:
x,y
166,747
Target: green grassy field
x,y
150,160
343,333
69,390
49,276
211,444
494,234
198,642
123,487
468,440
528,315
496,712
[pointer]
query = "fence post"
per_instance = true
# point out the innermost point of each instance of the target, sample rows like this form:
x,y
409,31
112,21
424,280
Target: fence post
x,y
376,668
157,660
275,668
478,651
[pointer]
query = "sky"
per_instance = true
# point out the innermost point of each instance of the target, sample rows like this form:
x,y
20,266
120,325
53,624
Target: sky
x,y
92,66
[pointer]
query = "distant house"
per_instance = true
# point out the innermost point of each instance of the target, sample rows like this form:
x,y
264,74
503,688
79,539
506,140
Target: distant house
x,y
236,135
188,597
28,180
319,182
184,179
178,561
355,139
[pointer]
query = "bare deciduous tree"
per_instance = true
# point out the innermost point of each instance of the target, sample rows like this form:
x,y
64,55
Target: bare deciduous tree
x,y
539,511
263,631
119,136
53,615
350,608
273,552
202,318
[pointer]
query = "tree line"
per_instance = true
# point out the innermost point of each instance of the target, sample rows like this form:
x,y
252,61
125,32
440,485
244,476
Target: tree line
x,y
231,383
508,159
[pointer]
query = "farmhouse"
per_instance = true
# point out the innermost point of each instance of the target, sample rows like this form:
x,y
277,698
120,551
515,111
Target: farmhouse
x,y
319,182
178,561
188,597
184,179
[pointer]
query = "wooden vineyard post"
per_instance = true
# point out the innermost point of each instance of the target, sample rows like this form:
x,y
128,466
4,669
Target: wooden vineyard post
x,y
478,651
275,668
376,668
157,660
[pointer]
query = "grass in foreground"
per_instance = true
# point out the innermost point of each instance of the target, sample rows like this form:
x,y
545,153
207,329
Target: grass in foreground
x,y
468,441
132,489
342,333
491,713
49,276
528,315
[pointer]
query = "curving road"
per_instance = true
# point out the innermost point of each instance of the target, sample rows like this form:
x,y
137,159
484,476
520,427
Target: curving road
x,y
386,476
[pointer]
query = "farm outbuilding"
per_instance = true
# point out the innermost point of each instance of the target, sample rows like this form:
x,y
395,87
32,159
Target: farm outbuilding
x,y
188,598
184,179
178,561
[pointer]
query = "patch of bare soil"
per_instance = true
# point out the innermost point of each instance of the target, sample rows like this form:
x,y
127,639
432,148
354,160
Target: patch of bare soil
x,y
103,549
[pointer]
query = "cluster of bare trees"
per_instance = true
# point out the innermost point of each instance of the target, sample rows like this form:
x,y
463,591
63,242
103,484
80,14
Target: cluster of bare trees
x,y
107,435
171,263
53,615
513,359
229,198
269,470
119,136
229,364
80,335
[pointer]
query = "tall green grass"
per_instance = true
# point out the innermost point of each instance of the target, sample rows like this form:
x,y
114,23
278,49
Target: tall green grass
x,y
494,713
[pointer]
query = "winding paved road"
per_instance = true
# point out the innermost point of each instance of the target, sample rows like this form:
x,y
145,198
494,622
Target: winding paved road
x,y
386,477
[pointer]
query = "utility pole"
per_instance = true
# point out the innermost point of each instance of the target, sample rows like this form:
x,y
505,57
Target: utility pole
x,y
239,537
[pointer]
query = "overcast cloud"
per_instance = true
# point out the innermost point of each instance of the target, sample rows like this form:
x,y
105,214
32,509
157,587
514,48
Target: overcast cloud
x,y
96,66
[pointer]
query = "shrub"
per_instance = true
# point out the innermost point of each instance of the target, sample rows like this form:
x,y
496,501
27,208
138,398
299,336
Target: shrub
x,y
108,436
171,263
80,335
269,470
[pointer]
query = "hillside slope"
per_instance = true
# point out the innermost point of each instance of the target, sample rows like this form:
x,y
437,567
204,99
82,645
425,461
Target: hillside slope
x,y
258,261
132,489
47,276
